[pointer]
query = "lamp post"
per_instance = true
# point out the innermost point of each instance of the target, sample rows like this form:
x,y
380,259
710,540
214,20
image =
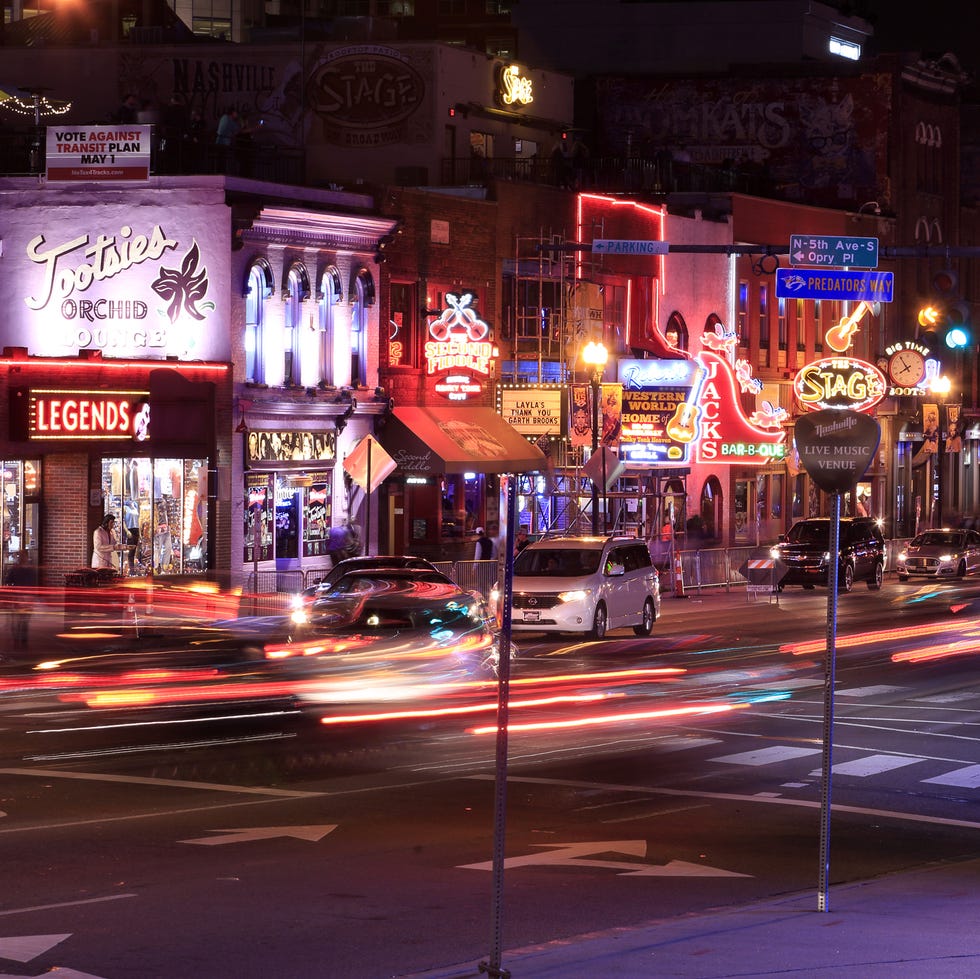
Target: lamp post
x,y
940,386
594,356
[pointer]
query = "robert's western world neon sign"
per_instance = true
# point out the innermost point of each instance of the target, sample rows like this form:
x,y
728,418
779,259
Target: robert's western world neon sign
x,y
673,408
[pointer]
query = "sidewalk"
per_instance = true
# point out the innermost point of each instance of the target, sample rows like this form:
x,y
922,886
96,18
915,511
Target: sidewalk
x,y
920,924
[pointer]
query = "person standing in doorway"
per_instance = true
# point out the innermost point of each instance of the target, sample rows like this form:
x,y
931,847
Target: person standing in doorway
x,y
105,544
484,546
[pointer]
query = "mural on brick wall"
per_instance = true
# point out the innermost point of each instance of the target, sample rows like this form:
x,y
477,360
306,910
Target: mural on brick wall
x,y
813,138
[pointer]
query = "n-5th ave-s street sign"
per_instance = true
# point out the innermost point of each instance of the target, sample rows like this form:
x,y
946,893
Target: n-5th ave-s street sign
x,y
871,287
861,253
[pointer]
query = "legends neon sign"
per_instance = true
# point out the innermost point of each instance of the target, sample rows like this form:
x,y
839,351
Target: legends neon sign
x,y
68,415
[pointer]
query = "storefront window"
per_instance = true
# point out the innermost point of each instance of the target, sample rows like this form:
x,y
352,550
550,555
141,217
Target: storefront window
x,y
20,491
317,515
258,517
161,512
287,516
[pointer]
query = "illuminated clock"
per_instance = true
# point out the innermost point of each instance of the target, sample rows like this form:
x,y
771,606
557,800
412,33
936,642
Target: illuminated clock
x,y
906,368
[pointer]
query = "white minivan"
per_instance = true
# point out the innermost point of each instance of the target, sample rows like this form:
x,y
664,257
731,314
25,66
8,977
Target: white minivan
x,y
585,584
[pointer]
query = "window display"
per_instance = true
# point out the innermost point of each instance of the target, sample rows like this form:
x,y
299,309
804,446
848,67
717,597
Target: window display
x,y
258,517
317,515
161,513
20,492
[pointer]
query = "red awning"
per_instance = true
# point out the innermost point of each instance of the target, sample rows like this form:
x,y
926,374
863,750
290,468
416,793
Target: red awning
x,y
457,440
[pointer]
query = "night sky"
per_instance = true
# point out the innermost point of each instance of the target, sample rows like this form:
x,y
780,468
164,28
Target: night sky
x,y
932,28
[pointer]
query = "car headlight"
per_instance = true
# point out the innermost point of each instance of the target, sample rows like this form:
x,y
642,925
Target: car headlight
x,y
946,558
774,552
299,616
572,596
494,595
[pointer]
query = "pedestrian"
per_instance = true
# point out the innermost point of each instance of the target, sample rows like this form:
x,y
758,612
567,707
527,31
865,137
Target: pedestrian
x,y
23,576
229,126
131,521
173,131
522,540
127,112
105,544
484,546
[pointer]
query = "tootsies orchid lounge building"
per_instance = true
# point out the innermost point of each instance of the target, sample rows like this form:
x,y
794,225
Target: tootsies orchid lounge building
x,y
116,369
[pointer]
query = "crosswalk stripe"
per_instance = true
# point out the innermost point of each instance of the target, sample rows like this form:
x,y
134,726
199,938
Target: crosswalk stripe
x,y
766,756
964,778
871,691
872,765
947,698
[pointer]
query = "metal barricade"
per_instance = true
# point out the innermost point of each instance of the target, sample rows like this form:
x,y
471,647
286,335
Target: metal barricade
x,y
476,575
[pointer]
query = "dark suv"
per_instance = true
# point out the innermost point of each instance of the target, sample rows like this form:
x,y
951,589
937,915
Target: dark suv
x,y
805,551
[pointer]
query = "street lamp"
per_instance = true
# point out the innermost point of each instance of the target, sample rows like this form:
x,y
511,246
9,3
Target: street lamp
x,y
940,387
594,356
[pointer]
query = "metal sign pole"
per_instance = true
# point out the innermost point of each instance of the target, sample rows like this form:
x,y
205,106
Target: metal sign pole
x,y
828,704
367,526
493,967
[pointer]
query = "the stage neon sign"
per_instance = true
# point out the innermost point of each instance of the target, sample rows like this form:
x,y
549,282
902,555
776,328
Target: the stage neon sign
x,y
839,382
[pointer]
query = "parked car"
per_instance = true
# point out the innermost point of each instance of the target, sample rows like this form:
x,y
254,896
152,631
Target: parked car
x,y
805,552
940,554
585,584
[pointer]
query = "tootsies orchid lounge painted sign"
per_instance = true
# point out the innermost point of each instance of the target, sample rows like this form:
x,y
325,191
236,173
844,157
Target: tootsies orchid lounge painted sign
x,y
130,280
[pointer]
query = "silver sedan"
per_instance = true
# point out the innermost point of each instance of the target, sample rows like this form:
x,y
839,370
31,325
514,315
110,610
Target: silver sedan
x,y
940,554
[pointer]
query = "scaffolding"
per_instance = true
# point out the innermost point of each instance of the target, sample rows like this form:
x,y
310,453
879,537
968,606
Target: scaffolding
x,y
552,309
537,323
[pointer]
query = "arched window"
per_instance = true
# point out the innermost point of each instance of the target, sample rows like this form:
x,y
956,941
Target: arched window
x,y
676,332
295,339
362,296
258,288
711,509
330,296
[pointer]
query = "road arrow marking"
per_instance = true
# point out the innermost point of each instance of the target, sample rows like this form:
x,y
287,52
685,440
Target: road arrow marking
x,y
23,948
576,854
681,868
249,835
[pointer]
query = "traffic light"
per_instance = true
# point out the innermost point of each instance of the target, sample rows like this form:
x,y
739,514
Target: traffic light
x,y
944,321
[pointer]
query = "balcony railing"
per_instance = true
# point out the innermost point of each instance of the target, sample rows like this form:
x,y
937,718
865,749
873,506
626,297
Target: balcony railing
x,y
22,154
